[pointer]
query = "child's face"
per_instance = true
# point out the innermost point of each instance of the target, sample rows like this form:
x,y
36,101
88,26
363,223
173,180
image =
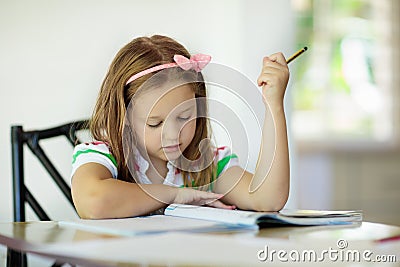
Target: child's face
x,y
165,124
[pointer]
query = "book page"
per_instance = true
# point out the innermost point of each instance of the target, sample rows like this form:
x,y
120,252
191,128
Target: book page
x,y
262,219
319,213
146,225
242,217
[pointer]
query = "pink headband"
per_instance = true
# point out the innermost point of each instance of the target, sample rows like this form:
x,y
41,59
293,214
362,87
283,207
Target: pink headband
x,y
196,62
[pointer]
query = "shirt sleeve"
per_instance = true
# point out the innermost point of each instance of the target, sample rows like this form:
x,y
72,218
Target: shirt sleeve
x,y
225,159
97,152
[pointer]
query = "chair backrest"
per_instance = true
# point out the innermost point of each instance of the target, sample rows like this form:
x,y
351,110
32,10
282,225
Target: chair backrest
x,y
19,138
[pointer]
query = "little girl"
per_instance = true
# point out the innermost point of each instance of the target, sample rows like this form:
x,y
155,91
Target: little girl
x,y
150,147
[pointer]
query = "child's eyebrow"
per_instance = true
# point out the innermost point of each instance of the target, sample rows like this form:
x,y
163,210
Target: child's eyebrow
x,y
159,117
154,118
189,108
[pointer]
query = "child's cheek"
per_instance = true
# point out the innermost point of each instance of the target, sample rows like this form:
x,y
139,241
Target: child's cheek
x,y
188,132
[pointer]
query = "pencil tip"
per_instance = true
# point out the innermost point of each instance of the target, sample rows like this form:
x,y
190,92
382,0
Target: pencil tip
x,y
305,48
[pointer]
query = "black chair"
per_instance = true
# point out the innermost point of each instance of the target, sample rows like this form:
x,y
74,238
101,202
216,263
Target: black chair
x,y
21,194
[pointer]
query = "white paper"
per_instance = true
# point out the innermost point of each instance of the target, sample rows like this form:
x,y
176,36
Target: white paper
x,y
296,217
149,225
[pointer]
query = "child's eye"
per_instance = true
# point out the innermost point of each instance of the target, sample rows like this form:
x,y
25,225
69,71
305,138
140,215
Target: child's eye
x,y
184,118
154,125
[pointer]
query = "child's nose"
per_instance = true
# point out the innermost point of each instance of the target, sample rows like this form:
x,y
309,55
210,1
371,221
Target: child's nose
x,y
171,131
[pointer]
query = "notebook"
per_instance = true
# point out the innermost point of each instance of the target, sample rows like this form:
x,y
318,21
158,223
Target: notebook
x,y
200,219
264,219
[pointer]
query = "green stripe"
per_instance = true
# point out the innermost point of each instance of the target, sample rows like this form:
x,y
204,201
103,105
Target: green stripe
x,y
222,163
80,152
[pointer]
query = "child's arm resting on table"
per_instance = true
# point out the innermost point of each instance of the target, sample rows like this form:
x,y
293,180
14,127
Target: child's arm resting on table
x,y
98,196
268,188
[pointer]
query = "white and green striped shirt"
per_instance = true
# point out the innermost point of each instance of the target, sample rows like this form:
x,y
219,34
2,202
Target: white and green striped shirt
x,y
99,152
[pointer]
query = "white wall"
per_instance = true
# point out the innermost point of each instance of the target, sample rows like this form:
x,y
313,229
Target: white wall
x,y
54,55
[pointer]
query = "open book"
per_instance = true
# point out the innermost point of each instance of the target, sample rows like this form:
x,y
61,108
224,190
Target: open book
x,y
262,219
197,219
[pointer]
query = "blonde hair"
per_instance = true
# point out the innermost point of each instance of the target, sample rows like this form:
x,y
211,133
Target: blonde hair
x,y
107,122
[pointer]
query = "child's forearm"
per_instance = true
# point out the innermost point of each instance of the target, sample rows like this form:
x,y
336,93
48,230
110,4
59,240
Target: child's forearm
x,y
270,183
96,198
111,198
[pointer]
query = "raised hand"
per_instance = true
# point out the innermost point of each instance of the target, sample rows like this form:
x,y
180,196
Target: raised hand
x,y
274,78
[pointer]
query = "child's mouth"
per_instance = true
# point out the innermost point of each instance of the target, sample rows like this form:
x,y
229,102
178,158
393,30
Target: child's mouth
x,y
173,148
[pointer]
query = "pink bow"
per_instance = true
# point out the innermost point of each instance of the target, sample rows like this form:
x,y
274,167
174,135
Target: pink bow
x,y
196,62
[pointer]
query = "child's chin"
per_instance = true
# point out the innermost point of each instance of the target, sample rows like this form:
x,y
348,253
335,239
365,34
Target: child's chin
x,y
172,156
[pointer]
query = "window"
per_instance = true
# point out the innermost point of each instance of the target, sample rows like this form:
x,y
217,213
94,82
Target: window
x,y
344,86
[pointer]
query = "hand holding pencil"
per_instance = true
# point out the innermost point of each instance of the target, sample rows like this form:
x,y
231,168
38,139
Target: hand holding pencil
x,y
275,76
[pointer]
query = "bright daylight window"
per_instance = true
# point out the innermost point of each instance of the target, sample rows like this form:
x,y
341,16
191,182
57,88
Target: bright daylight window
x,y
342,91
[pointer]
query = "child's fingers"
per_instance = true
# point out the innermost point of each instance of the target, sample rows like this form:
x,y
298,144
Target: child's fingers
x,y
272,65
212,199
209,199
268,77
278,57
219,204
193,196
272,69
276,61
272,77
207,196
